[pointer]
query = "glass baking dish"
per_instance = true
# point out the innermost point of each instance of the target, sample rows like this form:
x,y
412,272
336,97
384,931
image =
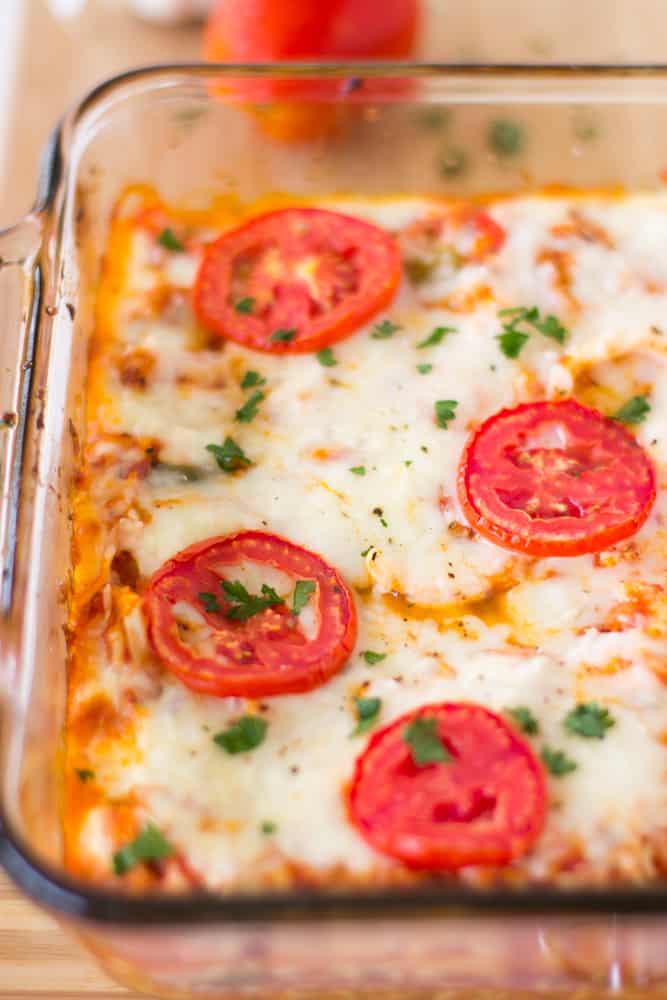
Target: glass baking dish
x,y
185,129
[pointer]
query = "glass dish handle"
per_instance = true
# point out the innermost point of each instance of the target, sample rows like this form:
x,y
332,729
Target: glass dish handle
x,y
19,305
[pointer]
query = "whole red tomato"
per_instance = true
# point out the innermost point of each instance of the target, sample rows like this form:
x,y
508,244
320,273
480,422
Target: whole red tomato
x,y
279,30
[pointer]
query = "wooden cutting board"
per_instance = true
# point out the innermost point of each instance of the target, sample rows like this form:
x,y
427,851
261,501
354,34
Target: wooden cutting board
x,y
39,961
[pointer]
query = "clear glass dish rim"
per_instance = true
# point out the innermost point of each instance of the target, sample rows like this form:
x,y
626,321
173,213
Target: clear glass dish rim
x,y
68,897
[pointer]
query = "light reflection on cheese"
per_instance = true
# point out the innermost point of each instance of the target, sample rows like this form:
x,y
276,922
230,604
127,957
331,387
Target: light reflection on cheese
x,y
458,618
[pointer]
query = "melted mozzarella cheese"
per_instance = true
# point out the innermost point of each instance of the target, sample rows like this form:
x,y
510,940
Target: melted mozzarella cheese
x,y
457,617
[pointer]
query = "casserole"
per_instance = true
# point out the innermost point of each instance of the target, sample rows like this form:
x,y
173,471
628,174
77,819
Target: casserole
x,y
413,942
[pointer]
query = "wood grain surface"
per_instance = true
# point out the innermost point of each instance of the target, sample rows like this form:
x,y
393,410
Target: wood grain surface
x,y
39,961
63,59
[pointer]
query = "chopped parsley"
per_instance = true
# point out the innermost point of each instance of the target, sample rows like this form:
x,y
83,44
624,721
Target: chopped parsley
x,y
453,162
634,411
557,762
245,605
149,845
433,117
524,719
244,305
589,720
371,657
268,826
358,470
243,735
302,591
418,270
585,126
436,336
170,241
505,137
209,600
445,412
326,357
424,369
248,411
367,712
515,332
384,329
426,746
378,512
251,379
366,551
84,774
284,336
511,342
229,456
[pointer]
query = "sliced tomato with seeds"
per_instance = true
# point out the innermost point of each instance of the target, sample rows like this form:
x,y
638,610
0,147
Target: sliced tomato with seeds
x,y
307,278
255,649
555,479
483,805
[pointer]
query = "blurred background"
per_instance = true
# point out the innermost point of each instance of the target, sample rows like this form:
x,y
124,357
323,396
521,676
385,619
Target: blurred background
x,y
52,51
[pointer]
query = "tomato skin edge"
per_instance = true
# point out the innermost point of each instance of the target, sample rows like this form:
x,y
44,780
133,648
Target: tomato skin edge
x,y
595,542
251,685
433,860
361,309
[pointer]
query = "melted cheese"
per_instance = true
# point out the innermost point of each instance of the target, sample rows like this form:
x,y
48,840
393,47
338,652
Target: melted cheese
x,y
457,617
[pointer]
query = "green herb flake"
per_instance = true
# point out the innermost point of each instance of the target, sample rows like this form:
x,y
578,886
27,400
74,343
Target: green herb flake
x,y
453,162
245,605
210,601
249,410
520,321
436,336
244,306
557,762
326,357
268,827
372,658
505,137
302,591
585,126
512,342
551,326
634,411
243,735
170,241
84,774
384,329
366,551
426,746
283,336
433,118
149,845
589,720
524,719
368,710
358,470
445,412
424,369
418,270
229,456
251,379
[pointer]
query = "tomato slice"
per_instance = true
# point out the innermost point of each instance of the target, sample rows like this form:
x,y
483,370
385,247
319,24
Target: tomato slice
x,y
486,805
311,276
267,653
329,30
555,479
